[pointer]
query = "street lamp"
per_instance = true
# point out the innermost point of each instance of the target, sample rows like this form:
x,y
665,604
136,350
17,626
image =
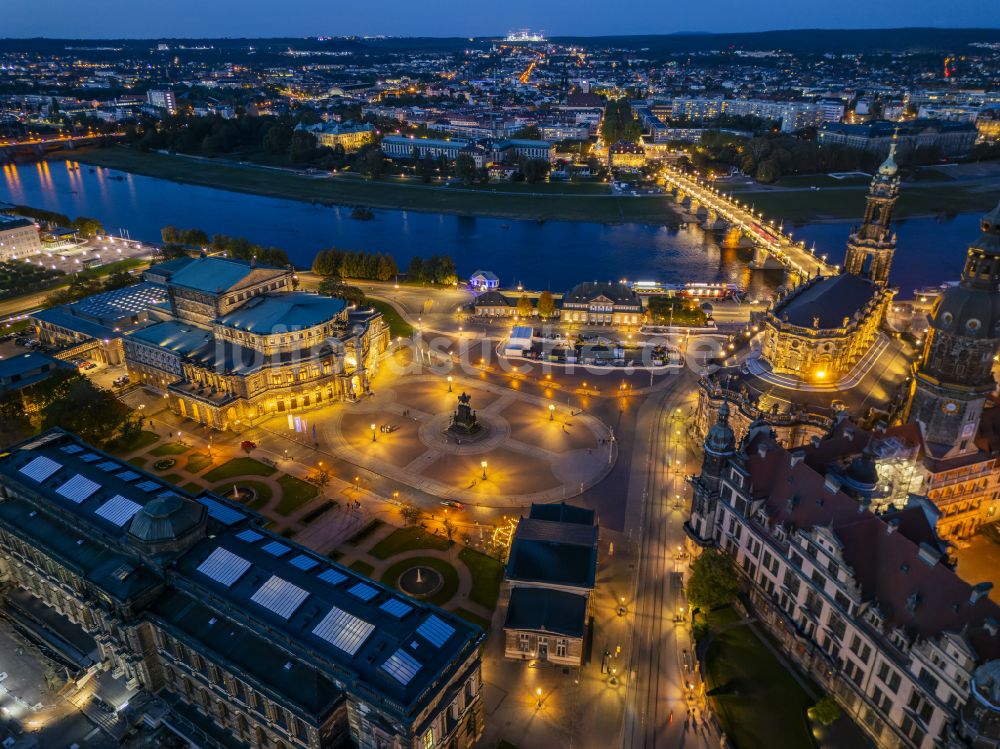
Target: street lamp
x,y
483,464
449,383
373,432
552,412
538,695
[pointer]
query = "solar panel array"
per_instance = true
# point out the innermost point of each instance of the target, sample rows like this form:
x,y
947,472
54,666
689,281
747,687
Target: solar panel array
x,y
343,630
280,596
78,489
40,468
148,486
127,475
332,576
435,631
303,562
249,536
224,567
222,512
71,449
396,608
401,666
276,548
122,302
90,457
109,465
364,591
118,510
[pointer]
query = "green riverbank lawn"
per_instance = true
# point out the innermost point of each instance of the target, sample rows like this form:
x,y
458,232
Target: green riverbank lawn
x,y
577,203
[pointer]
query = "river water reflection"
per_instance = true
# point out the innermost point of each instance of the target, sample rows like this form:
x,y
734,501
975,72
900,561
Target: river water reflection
x,y
553,254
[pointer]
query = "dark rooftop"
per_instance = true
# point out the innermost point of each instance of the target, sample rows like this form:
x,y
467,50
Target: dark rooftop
x,y
544,610
826,300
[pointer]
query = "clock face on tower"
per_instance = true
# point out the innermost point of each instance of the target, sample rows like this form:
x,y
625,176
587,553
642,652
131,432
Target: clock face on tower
x,y
950,408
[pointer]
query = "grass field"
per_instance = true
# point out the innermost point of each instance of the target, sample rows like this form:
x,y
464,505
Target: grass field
x,y
487,574
294,494
169,448
479,621
544,203
239,467
263,492
408,539
120,446
758,702
363,567
398,327
797,206
198,462
370,527
449,575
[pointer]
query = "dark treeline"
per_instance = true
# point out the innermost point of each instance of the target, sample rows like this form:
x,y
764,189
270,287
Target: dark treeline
x,y
619,123
343,264
438,269
86,226
177,242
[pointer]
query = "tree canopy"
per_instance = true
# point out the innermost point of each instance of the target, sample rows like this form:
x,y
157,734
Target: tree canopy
x,y
714,581
619,124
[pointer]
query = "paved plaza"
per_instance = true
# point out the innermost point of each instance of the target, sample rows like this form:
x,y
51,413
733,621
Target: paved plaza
x,y
535,449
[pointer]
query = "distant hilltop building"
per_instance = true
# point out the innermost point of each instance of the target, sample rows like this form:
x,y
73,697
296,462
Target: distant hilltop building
x,y
955,139
351,136
524,35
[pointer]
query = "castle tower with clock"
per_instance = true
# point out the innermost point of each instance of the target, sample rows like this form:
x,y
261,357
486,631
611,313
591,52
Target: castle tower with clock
x,y
871,246
950,396
955,374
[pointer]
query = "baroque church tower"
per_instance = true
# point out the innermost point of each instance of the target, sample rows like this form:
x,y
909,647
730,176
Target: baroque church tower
x,y
955,372
871,246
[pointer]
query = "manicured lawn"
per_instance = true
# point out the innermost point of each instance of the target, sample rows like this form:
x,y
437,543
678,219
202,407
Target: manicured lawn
x,y
361,535
140,442
398,327
487,574
334,555
758,702
544,202
239,467
294,494
173,478
449,574
260,501
137,461
408,539
197,462
363,567
483,624
169,448
192,487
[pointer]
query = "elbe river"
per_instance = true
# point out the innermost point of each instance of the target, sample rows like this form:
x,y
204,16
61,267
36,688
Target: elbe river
x,y
554,254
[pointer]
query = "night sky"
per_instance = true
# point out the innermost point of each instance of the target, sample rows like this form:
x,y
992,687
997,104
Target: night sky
x,y
262,18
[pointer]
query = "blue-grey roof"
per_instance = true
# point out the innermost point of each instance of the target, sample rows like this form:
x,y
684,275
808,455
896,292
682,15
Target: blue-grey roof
x,y
64,318
121,303
183,339
426,142
555,552
13,222
541,610
23,370
294,310
826,301
213,274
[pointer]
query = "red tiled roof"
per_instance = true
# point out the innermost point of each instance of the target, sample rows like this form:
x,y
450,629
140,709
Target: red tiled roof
x,y
885,561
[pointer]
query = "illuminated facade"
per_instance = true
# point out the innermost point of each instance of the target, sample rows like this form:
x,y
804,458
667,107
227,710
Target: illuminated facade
x,y
821,329
236,345
350,136
867,604
950,399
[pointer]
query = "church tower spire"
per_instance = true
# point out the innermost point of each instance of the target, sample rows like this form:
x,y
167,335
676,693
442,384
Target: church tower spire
x,y
955,373
871,246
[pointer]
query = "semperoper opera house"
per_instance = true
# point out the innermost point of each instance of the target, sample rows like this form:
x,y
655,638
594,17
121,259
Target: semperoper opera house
x,y
234,344
248,637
